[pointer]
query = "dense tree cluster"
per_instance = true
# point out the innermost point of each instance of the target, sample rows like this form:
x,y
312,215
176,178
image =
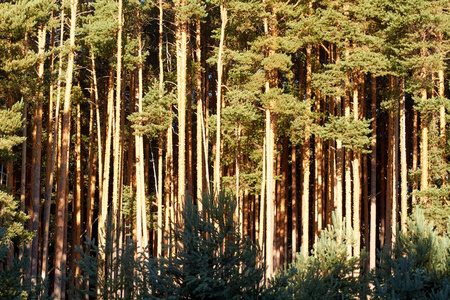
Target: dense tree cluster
x,y
118,116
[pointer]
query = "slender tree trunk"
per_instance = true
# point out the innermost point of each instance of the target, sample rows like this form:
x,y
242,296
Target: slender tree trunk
x,y
262,201
182,62
294,203
160,146
348,167
141,214
373,177
117,180
424,127
91,171
396,165
36,155
61,218
51,153
284,201
99,136
442,114
270,148
319,165
198,71
76,204
390,168
103,211
415,154
305,160
403,161
356,175
339,163
224,18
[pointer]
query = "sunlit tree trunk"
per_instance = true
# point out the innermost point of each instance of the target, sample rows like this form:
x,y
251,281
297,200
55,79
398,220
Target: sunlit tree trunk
x,y
395,165
356,163
305,160
198,74
338,204
117,144
103,210
424,127
61,215
319,165
403,161
93,160
294,203
224,19
160,146
76,203
141,214
51,153
373,177
36,154
270,169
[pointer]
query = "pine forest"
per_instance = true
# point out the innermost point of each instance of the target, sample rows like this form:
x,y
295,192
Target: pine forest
x,y
224,149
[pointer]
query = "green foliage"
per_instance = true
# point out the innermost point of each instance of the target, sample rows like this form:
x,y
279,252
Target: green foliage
x,y
418,266
353,133
209,260
11,277
212,261
155,116
328,273
14,284
12,220
129,208
10,123
109,273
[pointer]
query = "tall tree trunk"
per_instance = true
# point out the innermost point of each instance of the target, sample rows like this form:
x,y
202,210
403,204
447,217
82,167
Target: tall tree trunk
x,y
91,170
356,174
76,204
224,19
51,152
403,161
442,113
424,127
319,164
141,214
283,201
262,200
198,74
305,160
182,64
103,211
294,203
339,207
160,146
61,218
390,173
348,168
415,154
117,145
373,177
395,165
36,154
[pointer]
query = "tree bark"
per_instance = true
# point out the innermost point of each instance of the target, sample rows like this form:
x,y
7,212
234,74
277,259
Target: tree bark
x,y
305,160
36,155
224,19
51,152
198,73
373,177
403,161
61,217
356,174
